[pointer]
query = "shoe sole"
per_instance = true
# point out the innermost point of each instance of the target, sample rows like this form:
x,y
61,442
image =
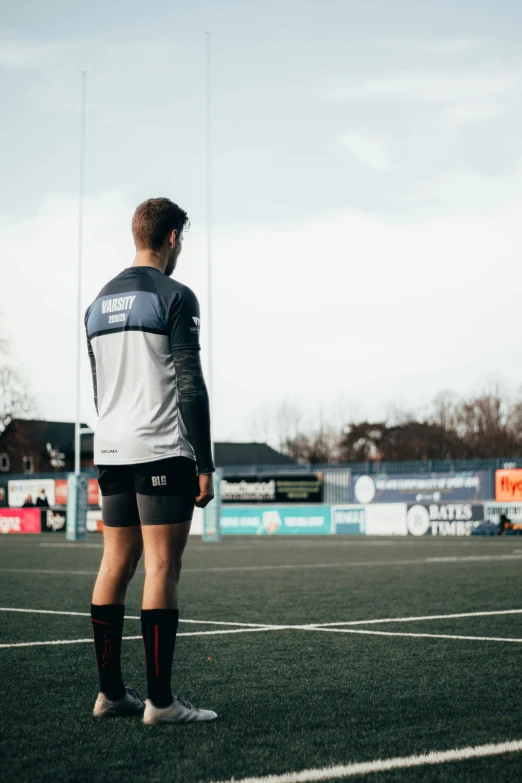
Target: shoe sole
x,y
155,722
110,713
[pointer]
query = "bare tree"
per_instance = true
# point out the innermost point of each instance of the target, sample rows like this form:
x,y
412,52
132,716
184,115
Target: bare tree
x,y
15,399
488,424
313,448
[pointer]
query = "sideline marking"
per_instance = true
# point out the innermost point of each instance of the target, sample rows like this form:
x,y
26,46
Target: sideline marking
x,y
129,638
416,635
416,619
293,566
84,545
257,627
307,626
131,617
382,765
335,626
204,547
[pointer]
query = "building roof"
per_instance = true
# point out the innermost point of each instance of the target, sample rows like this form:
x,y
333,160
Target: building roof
x,y
60,434
249,454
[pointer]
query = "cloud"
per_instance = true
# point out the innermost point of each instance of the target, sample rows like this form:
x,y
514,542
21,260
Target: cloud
x,y
19,53
449,46
348,306
432,86
373,152
471,113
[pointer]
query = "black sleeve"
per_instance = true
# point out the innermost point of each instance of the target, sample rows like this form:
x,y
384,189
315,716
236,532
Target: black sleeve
x,y
183,320
93,366
194,405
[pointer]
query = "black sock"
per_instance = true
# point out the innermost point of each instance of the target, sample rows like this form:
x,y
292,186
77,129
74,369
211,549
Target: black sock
x,y
107,627
159,627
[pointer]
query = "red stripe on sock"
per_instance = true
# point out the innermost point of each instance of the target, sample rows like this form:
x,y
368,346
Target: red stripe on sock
x,y
100,622
156,649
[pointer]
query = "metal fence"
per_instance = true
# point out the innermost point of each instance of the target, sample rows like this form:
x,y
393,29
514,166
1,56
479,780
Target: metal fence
x,y
336,476
374,468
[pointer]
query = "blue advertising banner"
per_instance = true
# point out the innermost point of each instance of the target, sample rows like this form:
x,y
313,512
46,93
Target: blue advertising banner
x,y
275,520
349,520
422,488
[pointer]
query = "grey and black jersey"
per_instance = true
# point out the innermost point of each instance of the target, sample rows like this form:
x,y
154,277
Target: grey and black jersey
x,y
142,330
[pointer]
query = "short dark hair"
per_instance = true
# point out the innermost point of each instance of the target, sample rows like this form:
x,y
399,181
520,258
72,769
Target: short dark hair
x,y
154,219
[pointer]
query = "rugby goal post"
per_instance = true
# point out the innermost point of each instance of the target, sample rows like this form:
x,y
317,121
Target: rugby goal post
x,y
77,492
212,513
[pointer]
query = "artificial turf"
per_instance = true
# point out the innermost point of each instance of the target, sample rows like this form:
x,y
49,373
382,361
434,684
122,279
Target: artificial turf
x,y
289,699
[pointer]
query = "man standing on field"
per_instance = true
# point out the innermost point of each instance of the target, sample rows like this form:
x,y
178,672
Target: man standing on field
x,y
154,456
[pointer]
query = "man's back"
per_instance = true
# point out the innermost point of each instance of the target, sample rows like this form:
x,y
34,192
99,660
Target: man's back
x,y
135,323
153,450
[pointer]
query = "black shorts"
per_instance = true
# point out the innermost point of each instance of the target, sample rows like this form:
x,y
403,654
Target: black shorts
x,y
150,493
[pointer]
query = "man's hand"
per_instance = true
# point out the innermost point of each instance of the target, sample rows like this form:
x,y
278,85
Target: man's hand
x,y
206,489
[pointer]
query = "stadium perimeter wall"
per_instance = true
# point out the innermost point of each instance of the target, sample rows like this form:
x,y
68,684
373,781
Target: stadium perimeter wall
x,y
399,499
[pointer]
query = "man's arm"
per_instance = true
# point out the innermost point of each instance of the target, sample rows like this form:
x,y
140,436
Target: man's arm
x,y
93,371
195,409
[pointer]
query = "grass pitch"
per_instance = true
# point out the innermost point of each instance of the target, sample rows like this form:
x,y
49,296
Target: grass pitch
x,y
289,698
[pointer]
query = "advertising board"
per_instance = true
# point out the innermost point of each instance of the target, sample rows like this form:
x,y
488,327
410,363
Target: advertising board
x,y
20,520
443,519
60,492
280,488
421,488
3,493
386,519
52,521
94,522
32,492
93,492
381,519
349,520
513,511
275,520
508,485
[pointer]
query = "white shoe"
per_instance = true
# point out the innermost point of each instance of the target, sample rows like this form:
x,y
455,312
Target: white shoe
x,y
179,711
130,704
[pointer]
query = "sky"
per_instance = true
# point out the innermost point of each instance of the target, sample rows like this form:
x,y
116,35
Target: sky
x,y
367,192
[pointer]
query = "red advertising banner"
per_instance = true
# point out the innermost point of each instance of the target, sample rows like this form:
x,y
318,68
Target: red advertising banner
x,y
60,492
508,485
20,520
93,492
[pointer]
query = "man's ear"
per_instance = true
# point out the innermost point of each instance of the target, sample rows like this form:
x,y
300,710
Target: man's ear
x,y
172,238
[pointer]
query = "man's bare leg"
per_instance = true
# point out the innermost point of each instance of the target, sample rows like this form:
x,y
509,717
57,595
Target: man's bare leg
x,y
122,548
163,546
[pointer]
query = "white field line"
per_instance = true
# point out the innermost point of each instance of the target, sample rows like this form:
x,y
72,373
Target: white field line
x,y
130,638
228,545
416,619
288,566
131,617
326,627
457,559
83,545
50,571
415,635
354,564
383,765
204,547
280,628
307,626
